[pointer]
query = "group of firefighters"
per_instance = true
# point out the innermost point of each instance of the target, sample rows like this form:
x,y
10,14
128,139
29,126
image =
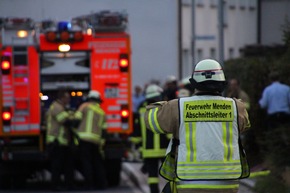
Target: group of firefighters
x,y
198,153
82,129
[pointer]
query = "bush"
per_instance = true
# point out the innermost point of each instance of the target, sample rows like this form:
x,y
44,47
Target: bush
x,y
261,147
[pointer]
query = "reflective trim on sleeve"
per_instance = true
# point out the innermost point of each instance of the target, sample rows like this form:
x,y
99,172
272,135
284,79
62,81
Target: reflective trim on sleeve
x,y
153,180
78,115
154,125
62,116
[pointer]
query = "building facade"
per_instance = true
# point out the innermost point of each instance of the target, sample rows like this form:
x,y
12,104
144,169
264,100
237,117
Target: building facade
x,y
240,29
274,14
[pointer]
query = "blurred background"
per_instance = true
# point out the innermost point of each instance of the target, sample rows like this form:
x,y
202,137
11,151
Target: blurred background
x,y
250,38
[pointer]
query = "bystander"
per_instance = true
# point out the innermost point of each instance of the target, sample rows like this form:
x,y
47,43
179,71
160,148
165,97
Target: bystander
x,y
276,100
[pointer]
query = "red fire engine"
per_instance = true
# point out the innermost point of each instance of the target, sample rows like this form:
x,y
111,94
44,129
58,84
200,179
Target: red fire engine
x,y
37,60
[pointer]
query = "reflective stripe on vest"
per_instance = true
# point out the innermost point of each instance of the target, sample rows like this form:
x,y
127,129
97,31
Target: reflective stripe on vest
x,y
88,133
156,151
167,169
50,138
61,140
226,184
208,139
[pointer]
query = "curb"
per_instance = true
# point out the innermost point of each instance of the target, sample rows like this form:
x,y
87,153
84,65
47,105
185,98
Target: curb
x,y
250,183
132,174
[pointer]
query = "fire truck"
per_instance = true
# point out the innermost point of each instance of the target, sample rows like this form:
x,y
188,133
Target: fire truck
x,y
40,58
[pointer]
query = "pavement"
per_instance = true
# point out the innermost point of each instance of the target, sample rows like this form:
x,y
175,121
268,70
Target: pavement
x,y
132,170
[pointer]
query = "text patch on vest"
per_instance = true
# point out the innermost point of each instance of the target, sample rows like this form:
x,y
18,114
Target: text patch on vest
x,y
208,110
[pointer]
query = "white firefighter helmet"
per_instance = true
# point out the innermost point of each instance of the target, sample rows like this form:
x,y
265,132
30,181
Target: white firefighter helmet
x,y
152,91
94,94
208,75
208,69
183,93
185,81
171,78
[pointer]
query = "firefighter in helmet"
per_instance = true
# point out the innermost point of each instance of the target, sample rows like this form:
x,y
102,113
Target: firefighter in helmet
x,y
206,154
58,140
153,145
90,133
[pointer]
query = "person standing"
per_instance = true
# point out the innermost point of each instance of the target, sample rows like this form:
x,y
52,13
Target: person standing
x,y
276,100
153,145
138,98
206,154
90,132
171,88
58,139
135,137
235,91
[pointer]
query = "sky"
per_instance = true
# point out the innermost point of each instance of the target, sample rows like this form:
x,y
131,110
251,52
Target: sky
x,y
152,25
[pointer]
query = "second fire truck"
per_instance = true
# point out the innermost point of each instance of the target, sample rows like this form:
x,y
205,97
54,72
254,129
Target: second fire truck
x,y
38,59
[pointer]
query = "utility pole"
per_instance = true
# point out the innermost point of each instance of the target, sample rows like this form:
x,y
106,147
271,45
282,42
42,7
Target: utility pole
x,y
179,20
221,31
193,32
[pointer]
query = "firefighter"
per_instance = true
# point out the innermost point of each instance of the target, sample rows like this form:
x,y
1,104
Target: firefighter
x,y
57,139
171,88
206,154
153,145
90,132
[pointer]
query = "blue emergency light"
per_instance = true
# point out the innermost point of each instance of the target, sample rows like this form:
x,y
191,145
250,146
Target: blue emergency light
x,y
64,26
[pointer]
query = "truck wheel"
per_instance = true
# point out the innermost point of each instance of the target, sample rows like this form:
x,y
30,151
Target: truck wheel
x,y
113,172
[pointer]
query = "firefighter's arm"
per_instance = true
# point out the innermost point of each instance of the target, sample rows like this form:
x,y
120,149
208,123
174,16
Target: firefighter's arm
x,y
61,115
244,121
162,117
79,113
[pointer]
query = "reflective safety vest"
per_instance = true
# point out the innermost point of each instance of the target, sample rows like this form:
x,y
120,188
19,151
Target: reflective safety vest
x,y
152,143
209,139
56,116
92,122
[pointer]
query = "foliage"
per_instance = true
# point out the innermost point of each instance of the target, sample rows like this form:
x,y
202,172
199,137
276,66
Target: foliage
x,y
264,147
286,32
270,184
275,147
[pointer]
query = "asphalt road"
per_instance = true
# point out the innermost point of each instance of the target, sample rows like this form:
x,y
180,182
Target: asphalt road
x,y
140,180
132,181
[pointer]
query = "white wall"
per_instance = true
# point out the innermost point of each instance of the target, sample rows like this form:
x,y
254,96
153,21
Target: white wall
x,y
153,26
273,17
240,28
187,64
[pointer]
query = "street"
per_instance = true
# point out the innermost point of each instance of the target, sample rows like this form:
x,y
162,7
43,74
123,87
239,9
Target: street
x,y
140,179
132,181
126,186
